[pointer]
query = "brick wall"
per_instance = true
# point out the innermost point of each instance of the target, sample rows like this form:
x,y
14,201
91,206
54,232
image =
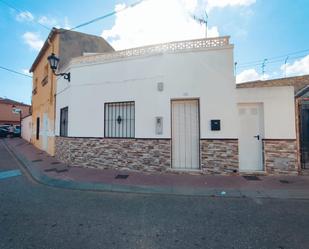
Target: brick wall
x,y
280,156
148,155
219,156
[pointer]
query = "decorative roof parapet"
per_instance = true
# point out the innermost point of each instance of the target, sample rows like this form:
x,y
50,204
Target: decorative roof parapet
x,y
155,49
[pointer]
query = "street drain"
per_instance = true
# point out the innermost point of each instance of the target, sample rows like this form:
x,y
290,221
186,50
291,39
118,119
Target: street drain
x,y
55,163
121,176
49,170
37,160
251,178
284,181
61,170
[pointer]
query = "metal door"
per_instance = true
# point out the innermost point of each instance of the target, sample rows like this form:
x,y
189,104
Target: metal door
x,y
250,137
304,134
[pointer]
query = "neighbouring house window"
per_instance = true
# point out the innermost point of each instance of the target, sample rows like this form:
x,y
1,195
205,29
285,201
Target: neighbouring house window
x,y
45,77
64,122
35,86
119,119
37,128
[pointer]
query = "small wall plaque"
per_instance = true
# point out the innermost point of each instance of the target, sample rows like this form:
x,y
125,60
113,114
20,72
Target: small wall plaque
x,y
160,86
159,125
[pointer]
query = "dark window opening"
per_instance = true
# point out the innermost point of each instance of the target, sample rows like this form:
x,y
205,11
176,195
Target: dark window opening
x,y
119,120
37,128
304,134
64,121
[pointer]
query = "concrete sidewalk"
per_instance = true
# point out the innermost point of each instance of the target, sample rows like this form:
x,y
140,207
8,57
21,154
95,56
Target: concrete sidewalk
x,y
47,170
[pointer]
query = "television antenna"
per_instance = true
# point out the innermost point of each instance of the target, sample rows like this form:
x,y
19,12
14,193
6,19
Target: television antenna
x,y
202,20
263,68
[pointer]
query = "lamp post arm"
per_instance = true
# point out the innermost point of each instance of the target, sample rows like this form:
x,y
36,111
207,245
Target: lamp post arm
x,y
66,76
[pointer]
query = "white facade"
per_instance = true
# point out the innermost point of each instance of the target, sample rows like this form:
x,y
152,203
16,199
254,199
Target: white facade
x,y
173,91
264,114
278,107
203,73
26,128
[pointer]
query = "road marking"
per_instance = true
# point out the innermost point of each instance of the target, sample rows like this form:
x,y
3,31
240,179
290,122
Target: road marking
x,y
9,173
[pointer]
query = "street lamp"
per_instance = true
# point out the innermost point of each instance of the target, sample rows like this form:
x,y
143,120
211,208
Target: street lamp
x,y
16,110
53,63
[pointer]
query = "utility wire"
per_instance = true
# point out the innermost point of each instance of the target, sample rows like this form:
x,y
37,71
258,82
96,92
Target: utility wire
x,y
272,58
269,62
20,11
104,16
13,71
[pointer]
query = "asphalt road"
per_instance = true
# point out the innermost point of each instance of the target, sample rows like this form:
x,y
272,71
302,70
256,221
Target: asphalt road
x,y
36,216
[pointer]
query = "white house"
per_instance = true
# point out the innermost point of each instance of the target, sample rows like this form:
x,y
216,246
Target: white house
x,y
166,107
26,128
267,132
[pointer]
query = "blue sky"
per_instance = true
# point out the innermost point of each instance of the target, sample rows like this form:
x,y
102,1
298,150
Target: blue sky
x,y
259,29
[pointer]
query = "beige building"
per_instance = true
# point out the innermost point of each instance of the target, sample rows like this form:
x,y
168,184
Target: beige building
x,y
65,45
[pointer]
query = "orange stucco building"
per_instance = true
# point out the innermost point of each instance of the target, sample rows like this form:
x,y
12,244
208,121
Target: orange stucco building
x,y
43,99
65,44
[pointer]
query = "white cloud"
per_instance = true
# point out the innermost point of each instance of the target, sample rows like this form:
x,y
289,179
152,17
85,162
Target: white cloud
x,y
33,40
156,21
44,20
298,67
25,16
250,75
48,21
26,71
211,4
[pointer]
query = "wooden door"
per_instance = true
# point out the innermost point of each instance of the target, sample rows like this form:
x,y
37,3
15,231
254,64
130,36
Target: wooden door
x,y
185,134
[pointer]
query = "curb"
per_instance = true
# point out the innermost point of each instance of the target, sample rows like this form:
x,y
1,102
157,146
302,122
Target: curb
x,y
42,178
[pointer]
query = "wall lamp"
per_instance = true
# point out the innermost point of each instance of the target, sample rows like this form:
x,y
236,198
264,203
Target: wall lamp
x,y
53,63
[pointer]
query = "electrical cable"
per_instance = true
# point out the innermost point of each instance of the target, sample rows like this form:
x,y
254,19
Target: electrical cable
x,y
20,11
104,16
13,71
258,62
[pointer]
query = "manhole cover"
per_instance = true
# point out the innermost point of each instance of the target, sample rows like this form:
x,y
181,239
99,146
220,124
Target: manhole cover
x,y
251,178
121,176
37,160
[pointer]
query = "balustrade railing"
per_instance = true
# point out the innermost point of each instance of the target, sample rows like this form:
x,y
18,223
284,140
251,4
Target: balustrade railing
x,y
158,48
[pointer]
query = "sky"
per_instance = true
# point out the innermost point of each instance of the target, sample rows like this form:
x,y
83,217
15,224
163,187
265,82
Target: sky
x,y
270,38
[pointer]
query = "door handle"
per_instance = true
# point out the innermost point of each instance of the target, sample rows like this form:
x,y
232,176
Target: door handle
x,y
257,137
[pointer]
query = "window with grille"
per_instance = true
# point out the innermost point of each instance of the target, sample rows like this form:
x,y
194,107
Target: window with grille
x,y
64,121
119,119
